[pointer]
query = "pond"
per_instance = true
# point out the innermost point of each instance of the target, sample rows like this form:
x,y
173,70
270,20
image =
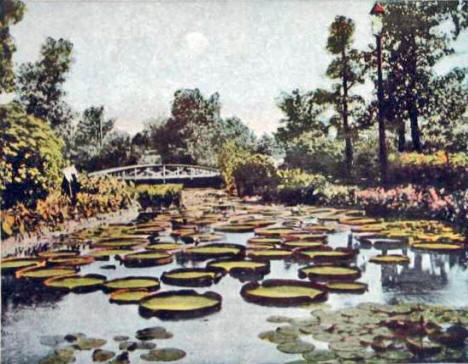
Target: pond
x,y
30,311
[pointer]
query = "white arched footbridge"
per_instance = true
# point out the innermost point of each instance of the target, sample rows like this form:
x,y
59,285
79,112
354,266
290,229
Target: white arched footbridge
x,y
159,172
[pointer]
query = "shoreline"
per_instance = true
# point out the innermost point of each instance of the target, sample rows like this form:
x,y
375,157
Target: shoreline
x,y
8,246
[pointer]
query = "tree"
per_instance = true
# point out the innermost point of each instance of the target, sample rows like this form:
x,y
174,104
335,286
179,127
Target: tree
x,y
302,114
90,135
347,67
267,145
31,157
11,12
415,39
40,84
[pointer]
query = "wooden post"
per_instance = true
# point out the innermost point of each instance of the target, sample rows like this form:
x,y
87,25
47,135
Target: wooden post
x,y
164,173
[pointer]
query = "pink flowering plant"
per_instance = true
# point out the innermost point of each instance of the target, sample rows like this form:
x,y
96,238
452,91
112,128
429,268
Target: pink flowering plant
x,y
416,201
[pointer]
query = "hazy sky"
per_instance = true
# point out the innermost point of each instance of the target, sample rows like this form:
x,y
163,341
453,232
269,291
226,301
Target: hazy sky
x,y
132,56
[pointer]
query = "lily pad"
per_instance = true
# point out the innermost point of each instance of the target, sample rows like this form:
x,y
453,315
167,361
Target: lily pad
x,y
346,287
87,343
390,259
43,273
165,247
438,247
148,283
71,261
215,251
279,292
295,347
102,355
10,265
151,333
60,356
57,253
203,238
275,231
264,241
76,283
269,254
192,277
329,272
324,255
318,356
180,304
241,266
147,259
164,354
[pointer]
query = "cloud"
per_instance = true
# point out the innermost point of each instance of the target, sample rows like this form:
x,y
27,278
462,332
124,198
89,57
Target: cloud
x,y
196,43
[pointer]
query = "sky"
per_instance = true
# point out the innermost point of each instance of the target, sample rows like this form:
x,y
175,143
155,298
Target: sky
x,y
131,56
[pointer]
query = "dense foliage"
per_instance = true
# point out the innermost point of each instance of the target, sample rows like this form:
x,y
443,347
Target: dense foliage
x,y
97,195
438,169
31,157
159,195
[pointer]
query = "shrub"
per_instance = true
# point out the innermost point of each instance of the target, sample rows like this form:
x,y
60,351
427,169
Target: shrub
x,y
438,169
337,195
159,195
255,175
97,195
31,157
298,187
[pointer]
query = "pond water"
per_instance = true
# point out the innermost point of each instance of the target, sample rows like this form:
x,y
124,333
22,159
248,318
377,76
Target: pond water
x,y
227,336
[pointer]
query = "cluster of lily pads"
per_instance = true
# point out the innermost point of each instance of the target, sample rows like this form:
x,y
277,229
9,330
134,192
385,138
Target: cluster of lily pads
x,y
65,348
374,333
296,234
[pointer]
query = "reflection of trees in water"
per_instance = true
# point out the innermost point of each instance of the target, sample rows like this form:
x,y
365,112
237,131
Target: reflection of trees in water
x,y
416,279
27,292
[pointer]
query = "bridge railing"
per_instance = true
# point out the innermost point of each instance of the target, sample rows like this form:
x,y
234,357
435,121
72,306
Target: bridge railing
x,y
158,171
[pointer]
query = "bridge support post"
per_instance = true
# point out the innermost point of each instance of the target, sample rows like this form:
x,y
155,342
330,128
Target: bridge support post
x,y
164,173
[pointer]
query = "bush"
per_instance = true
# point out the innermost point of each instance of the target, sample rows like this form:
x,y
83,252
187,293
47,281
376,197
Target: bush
x,y
159,195
440,169
337,195
97,195
255,175
297,187
31,159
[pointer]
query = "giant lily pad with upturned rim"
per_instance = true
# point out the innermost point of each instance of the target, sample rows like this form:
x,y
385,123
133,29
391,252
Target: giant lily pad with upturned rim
x,y
269,254
45,272
241,266
209,251
324,254
438,247
76,283
71,261
330,272
192,277
133,282
147,259
10,265
346,287
283,292
274,231
180,304
128,296
390,259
